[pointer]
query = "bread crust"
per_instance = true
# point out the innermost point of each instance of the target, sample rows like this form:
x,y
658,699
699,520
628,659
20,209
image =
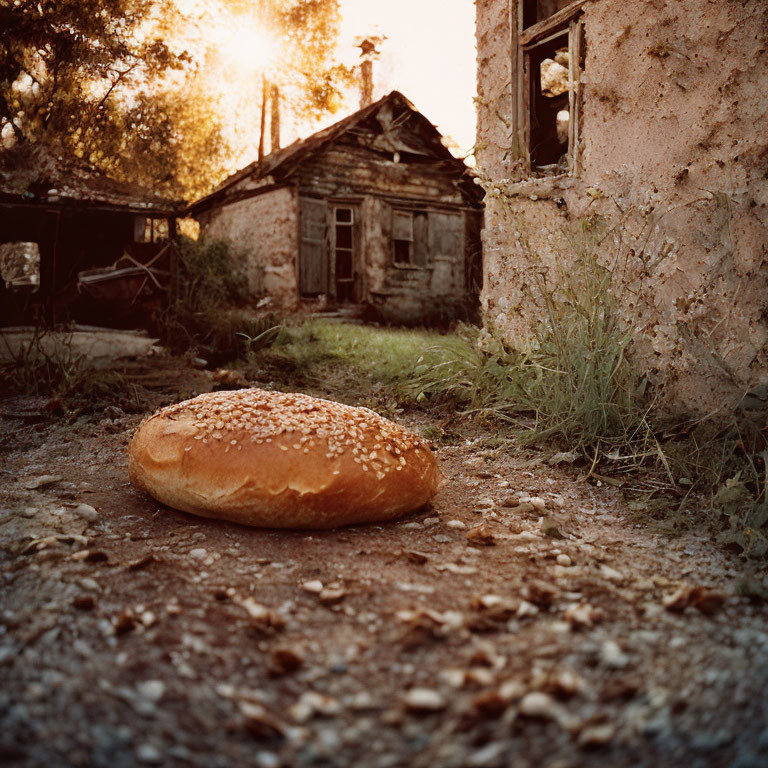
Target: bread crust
x,y
278,460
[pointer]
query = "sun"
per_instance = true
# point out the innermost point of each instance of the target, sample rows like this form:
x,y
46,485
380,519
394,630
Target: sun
x,y
246,46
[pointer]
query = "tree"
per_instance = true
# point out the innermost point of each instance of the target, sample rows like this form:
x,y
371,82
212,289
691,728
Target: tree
x,y
126,84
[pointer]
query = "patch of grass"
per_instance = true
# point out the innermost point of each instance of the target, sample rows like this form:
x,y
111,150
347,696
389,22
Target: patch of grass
x,y
373,358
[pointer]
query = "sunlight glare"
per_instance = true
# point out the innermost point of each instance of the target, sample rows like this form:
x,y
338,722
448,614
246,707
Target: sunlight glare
x,y
246,46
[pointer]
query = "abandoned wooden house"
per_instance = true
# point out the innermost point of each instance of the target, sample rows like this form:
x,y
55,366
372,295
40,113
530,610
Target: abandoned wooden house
x,y
373,213
78,246
646,132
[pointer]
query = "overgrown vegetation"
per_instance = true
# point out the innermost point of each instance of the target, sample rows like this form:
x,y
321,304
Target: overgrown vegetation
x,y
49,366
209,313
573,378
573,384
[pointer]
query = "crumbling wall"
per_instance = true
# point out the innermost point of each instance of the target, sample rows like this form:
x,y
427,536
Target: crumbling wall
x,y
413,294
674,162
264,232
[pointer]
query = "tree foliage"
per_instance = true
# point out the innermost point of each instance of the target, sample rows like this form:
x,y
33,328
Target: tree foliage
x,y
122,84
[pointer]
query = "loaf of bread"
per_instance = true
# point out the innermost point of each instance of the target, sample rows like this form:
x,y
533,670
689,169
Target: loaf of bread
x,y
281,461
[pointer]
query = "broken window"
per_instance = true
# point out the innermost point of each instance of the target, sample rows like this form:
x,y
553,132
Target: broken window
x,y
549,62
410,238
148,230
20,265
535,11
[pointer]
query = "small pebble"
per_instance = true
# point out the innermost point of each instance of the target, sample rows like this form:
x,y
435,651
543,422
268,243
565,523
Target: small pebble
x,y
458,525
423,700
612,656
315,586
564,560
147,753
539,705
198,553
87,512
152,690
597,735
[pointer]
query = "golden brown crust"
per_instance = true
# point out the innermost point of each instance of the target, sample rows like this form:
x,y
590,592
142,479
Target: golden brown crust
x,y
281,461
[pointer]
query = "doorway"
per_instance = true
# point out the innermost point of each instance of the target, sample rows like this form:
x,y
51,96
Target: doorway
x,y
343,261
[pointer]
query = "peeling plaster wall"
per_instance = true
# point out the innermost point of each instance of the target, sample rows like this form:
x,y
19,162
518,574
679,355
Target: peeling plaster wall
x,y
264,232
675,157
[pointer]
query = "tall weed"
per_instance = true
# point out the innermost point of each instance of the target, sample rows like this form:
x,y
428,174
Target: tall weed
x,y
573,377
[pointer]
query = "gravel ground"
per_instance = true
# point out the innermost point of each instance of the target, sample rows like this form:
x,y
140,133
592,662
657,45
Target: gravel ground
x,y
525,618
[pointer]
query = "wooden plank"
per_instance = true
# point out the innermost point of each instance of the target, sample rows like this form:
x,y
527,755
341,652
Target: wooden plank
x,y
575,38
539,31
313,253
446,236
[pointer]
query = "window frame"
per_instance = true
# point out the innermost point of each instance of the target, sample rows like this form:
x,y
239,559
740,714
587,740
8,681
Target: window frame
x,y
412,241
146,229
524,41
409,240
351,250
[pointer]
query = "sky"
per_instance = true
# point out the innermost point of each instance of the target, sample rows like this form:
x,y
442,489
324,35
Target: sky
x,y
429,56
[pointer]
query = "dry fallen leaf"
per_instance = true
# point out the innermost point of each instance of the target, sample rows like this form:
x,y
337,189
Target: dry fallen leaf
x,y
708,601
481,536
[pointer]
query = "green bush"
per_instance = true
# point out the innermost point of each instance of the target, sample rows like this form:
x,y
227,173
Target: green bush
x,y
210,312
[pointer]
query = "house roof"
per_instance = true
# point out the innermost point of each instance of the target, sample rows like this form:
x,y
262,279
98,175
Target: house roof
x,y
31,174
424,140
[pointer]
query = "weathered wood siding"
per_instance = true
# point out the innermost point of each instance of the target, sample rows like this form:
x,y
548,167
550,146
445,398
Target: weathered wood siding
x,y
437,278
348,169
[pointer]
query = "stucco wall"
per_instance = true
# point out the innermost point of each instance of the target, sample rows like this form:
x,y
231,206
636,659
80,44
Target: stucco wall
x,y
674,159
264,232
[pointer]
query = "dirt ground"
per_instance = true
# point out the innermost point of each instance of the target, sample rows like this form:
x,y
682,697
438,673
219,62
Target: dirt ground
x,y
560,633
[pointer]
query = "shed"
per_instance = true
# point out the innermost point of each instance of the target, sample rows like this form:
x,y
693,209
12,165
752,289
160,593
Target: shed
x,y
78,246
373,213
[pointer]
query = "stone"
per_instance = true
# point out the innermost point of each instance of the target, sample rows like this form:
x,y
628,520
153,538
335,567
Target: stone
x,y
315,586
481,536
457,525
148,753
582,616
564,560
596,735
152,690
538,705
611,574
33,483
199,553
285,660
330,596
312,703
423,700
87,512
612,656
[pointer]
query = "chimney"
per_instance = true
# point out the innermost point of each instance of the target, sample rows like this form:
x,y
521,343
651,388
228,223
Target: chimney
x,y
366,84
369,47
275,121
